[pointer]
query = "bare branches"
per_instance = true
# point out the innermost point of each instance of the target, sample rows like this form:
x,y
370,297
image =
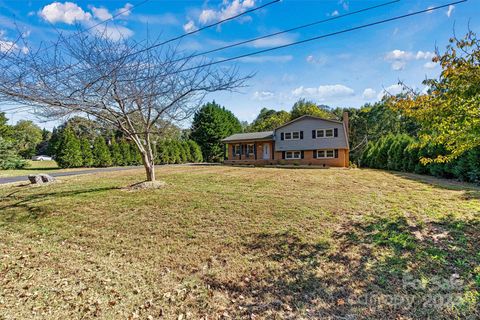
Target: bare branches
x,y
102,78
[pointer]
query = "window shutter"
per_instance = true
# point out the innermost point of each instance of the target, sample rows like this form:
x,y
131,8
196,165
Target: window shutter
x,y
314,132
301,135
336,153
314,154
283,153
302,154
282,136
255,150
335,132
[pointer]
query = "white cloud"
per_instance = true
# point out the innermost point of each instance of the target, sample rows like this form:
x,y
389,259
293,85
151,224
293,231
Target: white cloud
x,y
369,94
10,46
125,11
394,89
227,10
430,9
424,55
323,92
272,41
263,95
344,3
67,12
101,13
189,26
450,10
320,60
398,65
335,13
430,65
113,32
398,58
399,55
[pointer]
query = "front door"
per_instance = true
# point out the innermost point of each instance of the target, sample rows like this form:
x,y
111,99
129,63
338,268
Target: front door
x,y
266,151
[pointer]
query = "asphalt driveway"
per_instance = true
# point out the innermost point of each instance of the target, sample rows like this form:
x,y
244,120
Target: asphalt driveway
x,y
65,174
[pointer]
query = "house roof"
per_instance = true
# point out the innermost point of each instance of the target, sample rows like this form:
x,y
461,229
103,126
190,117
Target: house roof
x,y
307,116
265,135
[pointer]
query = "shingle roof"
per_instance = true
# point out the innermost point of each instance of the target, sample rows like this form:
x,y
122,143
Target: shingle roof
x,y
265,135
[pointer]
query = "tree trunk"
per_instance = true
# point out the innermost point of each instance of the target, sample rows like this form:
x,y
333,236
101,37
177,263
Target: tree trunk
x,y
150,171
149,166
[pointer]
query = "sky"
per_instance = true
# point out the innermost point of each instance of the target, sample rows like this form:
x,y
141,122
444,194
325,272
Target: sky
x,y
346,70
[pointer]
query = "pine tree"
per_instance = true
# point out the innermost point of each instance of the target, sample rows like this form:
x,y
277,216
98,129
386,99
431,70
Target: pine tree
x,y
87,154
116,153
195,151
126,153
69,153
101,153
135,154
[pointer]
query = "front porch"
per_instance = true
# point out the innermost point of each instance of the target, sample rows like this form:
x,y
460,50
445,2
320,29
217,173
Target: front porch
x,y
250,152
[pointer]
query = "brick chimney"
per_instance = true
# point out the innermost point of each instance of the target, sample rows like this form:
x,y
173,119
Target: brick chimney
x,y
345,123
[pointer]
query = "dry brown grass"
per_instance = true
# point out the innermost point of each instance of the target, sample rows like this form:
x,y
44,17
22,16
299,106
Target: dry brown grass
x,y
220,242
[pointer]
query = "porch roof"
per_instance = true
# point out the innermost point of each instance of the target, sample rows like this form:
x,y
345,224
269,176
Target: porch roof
x,y
251,136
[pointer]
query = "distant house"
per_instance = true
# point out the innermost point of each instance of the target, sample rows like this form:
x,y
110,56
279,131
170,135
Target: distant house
x,y
307,140
41,158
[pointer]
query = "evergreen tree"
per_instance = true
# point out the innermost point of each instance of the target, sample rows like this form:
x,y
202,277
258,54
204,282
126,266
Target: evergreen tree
x,y
87,154
195,151
116,153
8,157
101,153
136,157
126,153
210,125
69,153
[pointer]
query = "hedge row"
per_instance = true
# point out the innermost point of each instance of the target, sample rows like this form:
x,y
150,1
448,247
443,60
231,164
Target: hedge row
x,y
73,152
397,152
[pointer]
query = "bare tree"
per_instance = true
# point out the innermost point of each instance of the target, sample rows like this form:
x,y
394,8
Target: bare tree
x,y
125,83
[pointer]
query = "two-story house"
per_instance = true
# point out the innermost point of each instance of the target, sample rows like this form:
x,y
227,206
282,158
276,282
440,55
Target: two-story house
x,y
307,140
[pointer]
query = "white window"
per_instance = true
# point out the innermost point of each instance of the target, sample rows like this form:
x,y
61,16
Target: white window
x,y
293,155
250,149
328,153
294,135
325,133
237,149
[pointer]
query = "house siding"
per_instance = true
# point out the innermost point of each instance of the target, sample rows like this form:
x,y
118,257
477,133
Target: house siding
x,y
308,159
308,143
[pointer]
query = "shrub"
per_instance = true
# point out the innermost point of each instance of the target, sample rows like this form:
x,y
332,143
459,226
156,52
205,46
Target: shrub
x,y
101,153
69,152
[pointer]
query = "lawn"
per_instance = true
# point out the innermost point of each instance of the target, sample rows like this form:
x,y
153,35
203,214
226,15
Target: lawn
x,y
253,243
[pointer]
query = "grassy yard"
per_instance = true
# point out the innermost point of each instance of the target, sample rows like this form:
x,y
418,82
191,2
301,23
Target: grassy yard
x,y
253,243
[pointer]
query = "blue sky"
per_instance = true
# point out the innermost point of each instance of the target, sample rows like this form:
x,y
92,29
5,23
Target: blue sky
x,y
347,70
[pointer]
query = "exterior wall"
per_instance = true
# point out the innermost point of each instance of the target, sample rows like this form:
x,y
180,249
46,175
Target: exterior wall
x,y
308,159
276,159
308,143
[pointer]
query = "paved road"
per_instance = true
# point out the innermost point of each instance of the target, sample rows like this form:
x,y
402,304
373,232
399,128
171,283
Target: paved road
x,y
68,173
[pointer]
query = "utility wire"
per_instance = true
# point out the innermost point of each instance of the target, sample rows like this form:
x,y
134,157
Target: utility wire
x,y
202,28
319,37
287,30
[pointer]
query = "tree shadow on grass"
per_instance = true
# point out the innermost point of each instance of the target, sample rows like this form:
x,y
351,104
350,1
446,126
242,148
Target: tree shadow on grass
x,y
470,190
23,207
377,269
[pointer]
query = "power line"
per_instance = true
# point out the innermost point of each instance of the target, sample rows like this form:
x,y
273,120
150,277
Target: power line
x,y
286,30
180,36
319,37
202,28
